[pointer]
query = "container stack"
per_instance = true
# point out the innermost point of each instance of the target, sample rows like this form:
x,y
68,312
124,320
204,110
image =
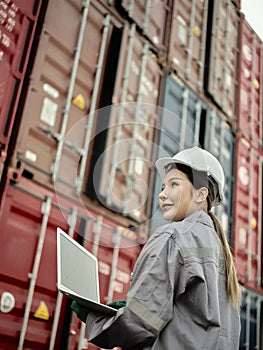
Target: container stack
x,y
247,233
91,94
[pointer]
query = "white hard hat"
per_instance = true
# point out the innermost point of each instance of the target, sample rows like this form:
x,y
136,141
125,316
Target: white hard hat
x,y
200,160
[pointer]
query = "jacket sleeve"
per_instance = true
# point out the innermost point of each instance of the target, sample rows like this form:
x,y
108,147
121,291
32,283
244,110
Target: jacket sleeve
x,y
149,299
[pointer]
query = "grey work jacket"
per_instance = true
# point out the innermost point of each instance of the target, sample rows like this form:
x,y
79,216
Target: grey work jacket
x,y
177,299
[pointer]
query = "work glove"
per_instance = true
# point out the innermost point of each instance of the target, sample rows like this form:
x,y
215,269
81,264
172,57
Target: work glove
x,y
81,311
117,304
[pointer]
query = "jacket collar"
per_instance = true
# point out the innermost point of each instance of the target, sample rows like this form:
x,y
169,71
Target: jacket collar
x,y
200,216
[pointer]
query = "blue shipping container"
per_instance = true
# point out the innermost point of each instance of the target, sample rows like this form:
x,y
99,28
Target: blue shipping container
x,y
187,121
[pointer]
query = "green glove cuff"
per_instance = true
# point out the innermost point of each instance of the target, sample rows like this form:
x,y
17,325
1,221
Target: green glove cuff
x,y
117,304
81,311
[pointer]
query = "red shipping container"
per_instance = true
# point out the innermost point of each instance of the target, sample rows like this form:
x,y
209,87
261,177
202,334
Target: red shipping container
x,y
63,91
18,19
130,136
33,313
250,94
222,61
247,240
151,18
187,42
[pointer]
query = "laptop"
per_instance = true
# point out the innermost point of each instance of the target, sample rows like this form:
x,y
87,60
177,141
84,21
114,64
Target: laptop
x,y
78,277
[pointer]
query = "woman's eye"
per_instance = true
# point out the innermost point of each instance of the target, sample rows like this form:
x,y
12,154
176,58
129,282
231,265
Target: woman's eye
x,y
174,184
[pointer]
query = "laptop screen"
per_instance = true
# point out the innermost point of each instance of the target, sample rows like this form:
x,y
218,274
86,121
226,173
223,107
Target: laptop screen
x,y
77,268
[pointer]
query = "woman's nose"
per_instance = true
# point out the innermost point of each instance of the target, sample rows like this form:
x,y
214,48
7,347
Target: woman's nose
x,y
162,194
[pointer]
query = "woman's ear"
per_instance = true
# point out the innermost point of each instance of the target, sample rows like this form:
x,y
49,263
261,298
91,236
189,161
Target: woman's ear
x,y
201,195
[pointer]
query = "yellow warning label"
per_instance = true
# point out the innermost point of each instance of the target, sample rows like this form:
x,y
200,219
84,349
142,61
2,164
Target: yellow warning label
x,y
42,311
253,223
79,101
256,84
196,31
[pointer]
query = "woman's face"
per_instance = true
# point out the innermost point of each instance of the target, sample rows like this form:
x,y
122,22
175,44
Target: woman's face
x,y
176,196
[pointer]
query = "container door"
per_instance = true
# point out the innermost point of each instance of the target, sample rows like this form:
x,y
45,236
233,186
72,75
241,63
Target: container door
x,y
248,214
222,43
150,16
187,41
54,138
28,270
124,143
17,27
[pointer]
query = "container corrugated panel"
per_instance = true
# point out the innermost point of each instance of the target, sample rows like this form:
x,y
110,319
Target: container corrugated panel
x,y
17,27
63,91
179,128
150,16
220,141
28,269
222,56
187,43
41,318
250,113
251,320
129,138
248,214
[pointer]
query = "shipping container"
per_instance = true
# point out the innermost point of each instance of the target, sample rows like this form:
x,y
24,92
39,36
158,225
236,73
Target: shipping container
x,y
28,269
251,320
187,42
18,20
125,131
150,16
250,87
188,121
63,91
222,53
247,216
33,314
220,140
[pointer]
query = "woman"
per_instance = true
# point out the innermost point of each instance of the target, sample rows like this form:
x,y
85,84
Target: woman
x,y
184,293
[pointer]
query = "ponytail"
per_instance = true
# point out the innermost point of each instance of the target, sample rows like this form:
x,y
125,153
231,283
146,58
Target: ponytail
x,y
232,285
231,276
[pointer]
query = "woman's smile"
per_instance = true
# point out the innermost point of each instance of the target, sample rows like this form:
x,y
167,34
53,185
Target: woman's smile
x,y
176,196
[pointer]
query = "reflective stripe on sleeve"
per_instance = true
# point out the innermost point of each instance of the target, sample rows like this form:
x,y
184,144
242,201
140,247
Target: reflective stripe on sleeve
x,y
146,315
202,253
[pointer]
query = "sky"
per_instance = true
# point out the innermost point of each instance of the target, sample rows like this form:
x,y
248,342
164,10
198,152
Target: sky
x,y
253,10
